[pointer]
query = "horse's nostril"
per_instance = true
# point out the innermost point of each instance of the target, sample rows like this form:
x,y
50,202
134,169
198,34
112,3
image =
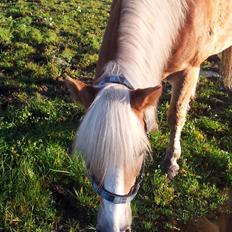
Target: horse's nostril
x,y
128,230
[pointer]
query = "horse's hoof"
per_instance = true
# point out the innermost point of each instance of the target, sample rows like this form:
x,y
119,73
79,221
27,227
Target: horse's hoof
x,y
173,171
170,169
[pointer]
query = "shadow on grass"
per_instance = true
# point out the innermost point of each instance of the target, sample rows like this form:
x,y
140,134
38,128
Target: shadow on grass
x,y
48,87
70,209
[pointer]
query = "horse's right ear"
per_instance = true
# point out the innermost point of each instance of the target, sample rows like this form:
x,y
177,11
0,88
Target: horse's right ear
x,y
80,91
142,98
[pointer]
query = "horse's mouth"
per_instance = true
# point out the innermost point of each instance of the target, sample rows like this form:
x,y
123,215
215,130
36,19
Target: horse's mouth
x,y
128,229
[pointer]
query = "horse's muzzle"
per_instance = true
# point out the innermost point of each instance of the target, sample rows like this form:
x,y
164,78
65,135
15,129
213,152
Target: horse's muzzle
x,y
126,230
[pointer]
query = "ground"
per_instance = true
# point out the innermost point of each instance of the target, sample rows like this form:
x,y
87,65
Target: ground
x,y
43,188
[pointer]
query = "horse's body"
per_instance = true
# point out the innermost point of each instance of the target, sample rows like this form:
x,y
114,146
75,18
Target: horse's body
x,y
146,41
204,28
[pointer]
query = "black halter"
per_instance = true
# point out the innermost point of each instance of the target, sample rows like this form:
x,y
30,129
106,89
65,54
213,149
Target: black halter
x,y
115,198
99,188
116,79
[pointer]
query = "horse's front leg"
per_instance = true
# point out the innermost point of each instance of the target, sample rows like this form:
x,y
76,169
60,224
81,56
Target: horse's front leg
x,y
183,89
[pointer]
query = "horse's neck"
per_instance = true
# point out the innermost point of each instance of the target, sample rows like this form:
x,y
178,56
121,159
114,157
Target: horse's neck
x,y
145,35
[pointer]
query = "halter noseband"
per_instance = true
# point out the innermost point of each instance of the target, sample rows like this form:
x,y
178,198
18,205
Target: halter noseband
x,y
115,198
99,188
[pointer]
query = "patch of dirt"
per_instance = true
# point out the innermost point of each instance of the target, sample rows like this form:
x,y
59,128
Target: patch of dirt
x,y
222,222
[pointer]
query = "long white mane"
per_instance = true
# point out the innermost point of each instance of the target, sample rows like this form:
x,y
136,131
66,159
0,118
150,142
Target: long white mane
x,y
110,134
146,33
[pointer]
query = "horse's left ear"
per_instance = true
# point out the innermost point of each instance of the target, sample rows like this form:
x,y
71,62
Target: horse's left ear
x,y
80,91
140,99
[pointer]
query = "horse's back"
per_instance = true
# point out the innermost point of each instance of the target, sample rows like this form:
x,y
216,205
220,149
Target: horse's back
x,y
207,31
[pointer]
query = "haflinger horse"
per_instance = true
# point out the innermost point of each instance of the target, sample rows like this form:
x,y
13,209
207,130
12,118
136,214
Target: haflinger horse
x,y
145,42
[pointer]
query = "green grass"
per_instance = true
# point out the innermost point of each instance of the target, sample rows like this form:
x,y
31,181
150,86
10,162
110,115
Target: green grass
x,y
42,188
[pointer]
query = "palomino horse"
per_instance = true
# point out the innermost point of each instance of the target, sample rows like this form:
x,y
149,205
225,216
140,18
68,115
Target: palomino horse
x,y
145,42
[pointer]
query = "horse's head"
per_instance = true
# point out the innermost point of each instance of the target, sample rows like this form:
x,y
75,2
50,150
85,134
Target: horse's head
x,y
113,141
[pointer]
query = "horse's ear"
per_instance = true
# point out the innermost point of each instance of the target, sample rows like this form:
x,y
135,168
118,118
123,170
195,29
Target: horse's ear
x,y
80,91
142,98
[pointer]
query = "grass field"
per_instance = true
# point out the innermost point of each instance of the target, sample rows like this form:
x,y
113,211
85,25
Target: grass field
x,y
43,188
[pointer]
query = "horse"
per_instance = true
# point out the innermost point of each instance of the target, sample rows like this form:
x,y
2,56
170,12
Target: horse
x,y
145,42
